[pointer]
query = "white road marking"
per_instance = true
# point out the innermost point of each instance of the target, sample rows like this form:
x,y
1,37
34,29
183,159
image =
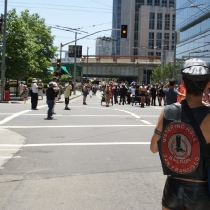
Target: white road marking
x,y
83,115
9,157
76,126
136,116
16,115
9,149
146,122
79,144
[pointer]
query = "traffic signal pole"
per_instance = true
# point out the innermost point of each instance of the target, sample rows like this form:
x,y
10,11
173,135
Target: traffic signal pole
x,y
3,66
75,63
75,41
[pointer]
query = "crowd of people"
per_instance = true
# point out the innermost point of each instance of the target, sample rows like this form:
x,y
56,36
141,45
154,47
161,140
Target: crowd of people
x,y
144,95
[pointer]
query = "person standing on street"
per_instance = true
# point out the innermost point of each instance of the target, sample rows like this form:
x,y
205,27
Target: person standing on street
x,y
20,88
55,86
50,93
170,92
24,94
67,94
34,94
40,89
182,138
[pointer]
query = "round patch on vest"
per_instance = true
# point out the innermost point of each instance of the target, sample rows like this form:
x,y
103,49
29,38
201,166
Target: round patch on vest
x,y
180,148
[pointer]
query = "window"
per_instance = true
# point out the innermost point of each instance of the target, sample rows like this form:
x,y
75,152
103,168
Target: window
x,y
152,20
149,2
164,3
167,21
157,2
151,44
166,36
159,36
171,3
151,53
159,44
173,22
159,55
159,21
151,35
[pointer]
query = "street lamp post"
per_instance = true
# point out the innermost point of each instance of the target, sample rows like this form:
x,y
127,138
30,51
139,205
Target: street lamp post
x,y
3,67
87,65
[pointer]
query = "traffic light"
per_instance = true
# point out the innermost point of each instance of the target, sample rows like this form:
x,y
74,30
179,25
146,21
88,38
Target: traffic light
x,y
124,31
58,63
55,74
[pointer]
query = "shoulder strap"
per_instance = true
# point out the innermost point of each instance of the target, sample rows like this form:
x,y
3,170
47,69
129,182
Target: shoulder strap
x,y
196,127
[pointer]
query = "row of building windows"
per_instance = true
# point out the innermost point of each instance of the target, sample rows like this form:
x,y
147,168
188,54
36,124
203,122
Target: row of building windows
x,y
160,22
157,2
159,42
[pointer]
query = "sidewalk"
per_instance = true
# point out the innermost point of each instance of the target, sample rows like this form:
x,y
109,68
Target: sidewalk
x,y
14,99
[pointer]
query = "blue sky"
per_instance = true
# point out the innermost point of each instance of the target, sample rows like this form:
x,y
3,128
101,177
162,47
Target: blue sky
x,y
88,15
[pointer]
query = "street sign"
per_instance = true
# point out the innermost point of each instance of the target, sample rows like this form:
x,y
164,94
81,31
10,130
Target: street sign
x,y
72,51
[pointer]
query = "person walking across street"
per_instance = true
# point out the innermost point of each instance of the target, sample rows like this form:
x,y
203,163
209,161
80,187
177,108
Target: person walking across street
x,y
50,93
107,94
67,94
34,94
20,88
24,94
182,138
85,93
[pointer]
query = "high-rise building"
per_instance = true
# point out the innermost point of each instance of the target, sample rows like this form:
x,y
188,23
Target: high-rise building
x,y
116,25
193,30
103,46
151,25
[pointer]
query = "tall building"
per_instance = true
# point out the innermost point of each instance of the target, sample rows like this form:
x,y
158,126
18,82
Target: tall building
x,y
103,46
116,24
193,30
151,25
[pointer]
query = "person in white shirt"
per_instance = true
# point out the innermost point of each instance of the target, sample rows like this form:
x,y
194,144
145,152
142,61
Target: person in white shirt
x,y
34,94
67,93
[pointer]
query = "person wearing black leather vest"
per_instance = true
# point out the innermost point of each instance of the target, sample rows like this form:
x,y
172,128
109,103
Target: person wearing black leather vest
x,y
179,144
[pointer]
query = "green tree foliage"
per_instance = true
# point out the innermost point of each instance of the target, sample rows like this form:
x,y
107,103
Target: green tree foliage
x,y
157,75
65,77
162,75
29,44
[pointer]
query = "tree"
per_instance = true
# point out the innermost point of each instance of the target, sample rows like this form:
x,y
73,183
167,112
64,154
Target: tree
x,y
162,75
157,75
167,72
29,45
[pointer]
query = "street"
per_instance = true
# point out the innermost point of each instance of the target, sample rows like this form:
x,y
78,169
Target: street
x,y
89,158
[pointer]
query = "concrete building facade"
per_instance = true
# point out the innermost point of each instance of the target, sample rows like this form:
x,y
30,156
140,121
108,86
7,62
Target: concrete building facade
x,y
103,46
151,25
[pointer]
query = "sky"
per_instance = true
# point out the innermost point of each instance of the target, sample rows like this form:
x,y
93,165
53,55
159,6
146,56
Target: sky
x,y
89,16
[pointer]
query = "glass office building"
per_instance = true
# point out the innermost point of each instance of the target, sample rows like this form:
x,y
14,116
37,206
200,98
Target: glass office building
x,y
193,30
116,24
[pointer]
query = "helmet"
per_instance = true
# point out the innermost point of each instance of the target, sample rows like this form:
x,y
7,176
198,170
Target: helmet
x,y
195,69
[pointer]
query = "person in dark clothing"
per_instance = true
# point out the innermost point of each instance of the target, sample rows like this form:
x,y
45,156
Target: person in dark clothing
x,y
153,92
123,92
170,92
116,93
181,140
50,93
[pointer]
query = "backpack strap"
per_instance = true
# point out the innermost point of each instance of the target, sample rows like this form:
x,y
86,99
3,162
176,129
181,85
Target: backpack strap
x,y
196,127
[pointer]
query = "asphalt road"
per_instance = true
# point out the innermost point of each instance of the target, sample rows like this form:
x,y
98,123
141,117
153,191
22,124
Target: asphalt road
x,y
89,158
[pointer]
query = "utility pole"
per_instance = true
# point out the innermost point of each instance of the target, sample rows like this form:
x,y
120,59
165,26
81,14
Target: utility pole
x,y
3,67
87,65
75,51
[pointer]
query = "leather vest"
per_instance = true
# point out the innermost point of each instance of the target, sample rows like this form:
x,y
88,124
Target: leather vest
x,y
179,147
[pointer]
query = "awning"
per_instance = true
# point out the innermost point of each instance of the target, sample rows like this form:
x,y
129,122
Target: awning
x,y
64,70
